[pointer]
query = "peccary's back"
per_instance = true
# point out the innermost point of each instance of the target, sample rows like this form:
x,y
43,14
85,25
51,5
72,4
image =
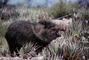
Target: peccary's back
x,y
20,32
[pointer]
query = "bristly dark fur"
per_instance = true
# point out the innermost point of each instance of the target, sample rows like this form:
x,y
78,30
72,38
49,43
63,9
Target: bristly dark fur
x,y
22,32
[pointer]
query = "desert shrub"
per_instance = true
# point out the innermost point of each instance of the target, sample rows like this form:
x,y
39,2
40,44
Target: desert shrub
x,y
7,13
14,14
61,8
84,15
4,51
3,28
74,29
60,51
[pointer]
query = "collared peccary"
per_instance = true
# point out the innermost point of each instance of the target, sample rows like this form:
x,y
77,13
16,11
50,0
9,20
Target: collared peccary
x,y
40,33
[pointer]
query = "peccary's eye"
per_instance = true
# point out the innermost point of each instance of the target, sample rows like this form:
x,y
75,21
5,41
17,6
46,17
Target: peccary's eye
x,y
54,29
52,25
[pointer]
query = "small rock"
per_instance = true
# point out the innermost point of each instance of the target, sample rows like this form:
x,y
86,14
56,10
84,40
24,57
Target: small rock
x,y
38,58
25,56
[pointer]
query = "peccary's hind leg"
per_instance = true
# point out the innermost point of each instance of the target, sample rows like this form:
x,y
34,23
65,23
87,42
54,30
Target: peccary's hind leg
x,y
13,47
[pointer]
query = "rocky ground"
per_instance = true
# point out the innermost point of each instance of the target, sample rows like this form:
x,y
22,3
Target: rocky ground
x,y
27,56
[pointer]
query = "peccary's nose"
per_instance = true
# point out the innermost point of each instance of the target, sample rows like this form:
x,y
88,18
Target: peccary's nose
x,y
61,29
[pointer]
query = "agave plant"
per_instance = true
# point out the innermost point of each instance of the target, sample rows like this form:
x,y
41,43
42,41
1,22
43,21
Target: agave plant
x,y
29,47
71,52
59,51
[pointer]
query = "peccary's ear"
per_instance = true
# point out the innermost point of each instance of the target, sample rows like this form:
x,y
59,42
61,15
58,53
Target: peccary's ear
x,y
38,30
46,23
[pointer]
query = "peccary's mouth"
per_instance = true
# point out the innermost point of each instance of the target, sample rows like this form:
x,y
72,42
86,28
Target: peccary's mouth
x,y
58,34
